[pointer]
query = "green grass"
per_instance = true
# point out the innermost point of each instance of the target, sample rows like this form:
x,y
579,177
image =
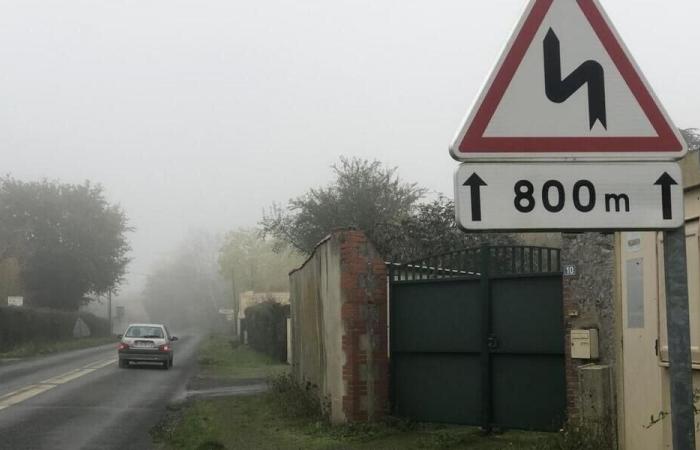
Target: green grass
x,y
283,419
258,422
221,357
45,348
288,417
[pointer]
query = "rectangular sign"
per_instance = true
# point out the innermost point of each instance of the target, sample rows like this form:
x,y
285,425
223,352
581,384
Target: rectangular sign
x,y
561,196
15,301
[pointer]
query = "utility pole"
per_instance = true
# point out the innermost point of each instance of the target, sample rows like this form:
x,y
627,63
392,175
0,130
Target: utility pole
x,y
235,303
109,310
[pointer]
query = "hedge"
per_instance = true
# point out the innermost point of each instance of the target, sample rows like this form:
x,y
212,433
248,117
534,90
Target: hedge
x,y
266,327
22,325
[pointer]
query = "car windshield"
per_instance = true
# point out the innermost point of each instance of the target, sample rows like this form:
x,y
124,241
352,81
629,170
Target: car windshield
x,y
145,332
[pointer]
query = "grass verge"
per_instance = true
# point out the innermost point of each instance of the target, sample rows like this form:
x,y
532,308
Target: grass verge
x,y
289,417
45,348
223,358
259,422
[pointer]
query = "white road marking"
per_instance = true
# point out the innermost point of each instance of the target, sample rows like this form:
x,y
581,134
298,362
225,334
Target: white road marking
x,y
23,394
66,377
101,364
32,390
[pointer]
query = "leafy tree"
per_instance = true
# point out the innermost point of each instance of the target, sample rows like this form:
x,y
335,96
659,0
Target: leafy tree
x,y
249,260
692,137
432,229
68,240
251,263
185,289
370,197
365,195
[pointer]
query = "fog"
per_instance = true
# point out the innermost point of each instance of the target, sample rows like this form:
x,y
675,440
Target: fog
x,y
197,115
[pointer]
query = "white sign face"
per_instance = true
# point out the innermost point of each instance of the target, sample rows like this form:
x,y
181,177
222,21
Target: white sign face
x,y
15,301
561,196
566,88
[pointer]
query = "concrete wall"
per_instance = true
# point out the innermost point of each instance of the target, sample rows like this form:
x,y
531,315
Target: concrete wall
x,y
689,168
338,326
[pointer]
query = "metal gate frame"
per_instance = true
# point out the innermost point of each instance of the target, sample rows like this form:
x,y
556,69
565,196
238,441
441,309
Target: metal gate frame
x,y
486,264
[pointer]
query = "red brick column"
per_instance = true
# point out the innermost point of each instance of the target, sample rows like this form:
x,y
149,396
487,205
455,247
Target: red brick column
x,y
364,319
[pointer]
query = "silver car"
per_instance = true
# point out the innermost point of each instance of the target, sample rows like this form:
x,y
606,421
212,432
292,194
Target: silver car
x,y
146,342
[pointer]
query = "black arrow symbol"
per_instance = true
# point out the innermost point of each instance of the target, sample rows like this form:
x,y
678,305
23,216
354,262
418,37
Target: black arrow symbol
x,y
590,72
475,183
665,181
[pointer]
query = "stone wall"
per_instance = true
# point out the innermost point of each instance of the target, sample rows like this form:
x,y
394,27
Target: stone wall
x,y
590,303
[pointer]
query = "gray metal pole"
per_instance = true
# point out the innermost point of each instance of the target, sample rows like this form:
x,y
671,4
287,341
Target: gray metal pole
x,y
109,312
678,324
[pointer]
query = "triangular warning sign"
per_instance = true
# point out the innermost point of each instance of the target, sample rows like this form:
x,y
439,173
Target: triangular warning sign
x,y
566,87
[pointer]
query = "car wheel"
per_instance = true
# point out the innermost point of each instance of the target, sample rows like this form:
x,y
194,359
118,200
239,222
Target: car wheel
x,y
171,362
123,363
166,365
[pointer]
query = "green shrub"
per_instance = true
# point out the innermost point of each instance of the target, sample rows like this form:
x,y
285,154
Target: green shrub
x,y
19,326
295,399
266,326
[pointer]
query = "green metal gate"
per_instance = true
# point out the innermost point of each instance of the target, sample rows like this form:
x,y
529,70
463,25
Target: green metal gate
x,y
477,337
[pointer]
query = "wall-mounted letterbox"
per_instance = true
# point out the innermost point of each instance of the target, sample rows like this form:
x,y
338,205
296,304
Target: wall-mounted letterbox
x,y
584,344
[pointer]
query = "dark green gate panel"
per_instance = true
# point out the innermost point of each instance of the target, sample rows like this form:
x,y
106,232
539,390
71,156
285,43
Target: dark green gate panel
x,y
438,388
529,391
436,317
435,341
529,382
527,315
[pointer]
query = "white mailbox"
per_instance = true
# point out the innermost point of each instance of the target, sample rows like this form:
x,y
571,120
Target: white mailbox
x,y
584,344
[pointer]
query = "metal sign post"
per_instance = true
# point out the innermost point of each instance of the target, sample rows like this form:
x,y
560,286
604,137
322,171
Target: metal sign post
x,y
678,325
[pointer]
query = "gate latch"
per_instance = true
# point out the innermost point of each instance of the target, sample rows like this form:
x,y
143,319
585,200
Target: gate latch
x,y
492,342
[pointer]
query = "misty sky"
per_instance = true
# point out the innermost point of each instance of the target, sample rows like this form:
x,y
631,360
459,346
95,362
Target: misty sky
x,y
197,114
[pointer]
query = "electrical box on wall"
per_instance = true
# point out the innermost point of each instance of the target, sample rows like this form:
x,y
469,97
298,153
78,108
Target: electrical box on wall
x,y
584,344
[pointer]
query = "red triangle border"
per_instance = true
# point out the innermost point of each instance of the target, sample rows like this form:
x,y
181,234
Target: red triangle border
x,y
474,141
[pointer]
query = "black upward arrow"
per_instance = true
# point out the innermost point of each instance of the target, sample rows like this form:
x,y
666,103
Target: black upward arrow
x,y
475,183
665,181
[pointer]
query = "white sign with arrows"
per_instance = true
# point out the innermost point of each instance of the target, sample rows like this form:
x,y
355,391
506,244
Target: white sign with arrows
x,y
560,196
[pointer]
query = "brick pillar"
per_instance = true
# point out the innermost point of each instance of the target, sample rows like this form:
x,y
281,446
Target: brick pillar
x,y
364,319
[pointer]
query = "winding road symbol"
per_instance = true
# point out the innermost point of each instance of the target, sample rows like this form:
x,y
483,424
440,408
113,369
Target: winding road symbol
x,y
590,73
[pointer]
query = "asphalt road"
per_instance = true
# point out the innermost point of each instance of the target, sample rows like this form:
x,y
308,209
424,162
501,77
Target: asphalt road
x,y
82,400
